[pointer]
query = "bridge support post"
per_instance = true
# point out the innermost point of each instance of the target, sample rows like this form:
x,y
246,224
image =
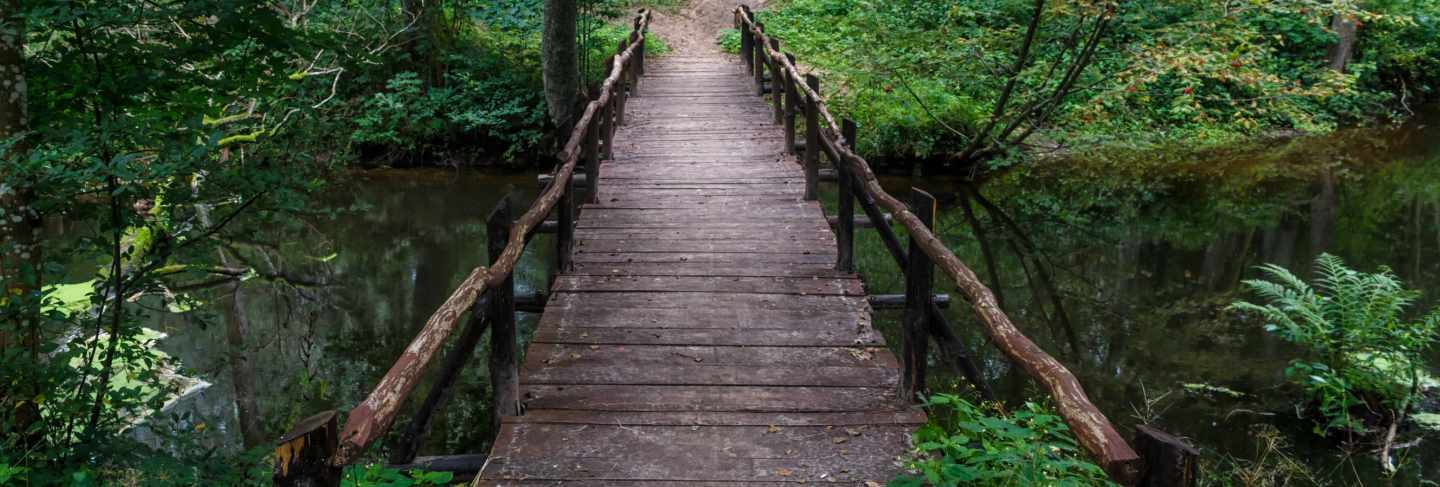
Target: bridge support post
x,y
504,378
747,41
608,129
792,109
590,154
758,66
779,85
622,92
605,114
565,231
639,70
812,141
918,272
845,230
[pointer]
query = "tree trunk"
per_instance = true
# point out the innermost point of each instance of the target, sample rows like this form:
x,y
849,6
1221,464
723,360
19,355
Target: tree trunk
x,y
426,29
560,62
242,371
19,252
1344,49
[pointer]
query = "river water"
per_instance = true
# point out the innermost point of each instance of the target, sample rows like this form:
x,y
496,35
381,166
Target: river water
x,y
1146,251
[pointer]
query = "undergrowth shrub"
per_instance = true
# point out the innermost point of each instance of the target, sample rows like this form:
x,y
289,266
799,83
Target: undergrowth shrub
x,y
966,444
918,76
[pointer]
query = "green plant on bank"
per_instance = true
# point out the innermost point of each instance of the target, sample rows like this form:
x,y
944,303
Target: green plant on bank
x,y
1360,352
382,476
921,77
966,444
485,104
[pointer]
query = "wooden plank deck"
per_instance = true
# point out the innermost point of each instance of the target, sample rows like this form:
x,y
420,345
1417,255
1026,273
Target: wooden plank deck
x,y
703,336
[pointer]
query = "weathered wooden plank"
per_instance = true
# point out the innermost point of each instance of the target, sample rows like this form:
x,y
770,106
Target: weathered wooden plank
x,y
544,355
710,375
697,245
658,483
817,233
713,453
701,300
809,336
709,398
858,419
704,269
753,285
714,257
654,315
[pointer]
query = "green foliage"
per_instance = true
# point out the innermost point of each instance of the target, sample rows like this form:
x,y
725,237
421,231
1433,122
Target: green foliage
x,y
965,444
382,476
920,77
729,41
470,92
409,119
1360,349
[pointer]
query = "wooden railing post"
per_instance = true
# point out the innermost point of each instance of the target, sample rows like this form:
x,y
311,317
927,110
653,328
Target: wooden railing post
x,y
302,458
812,141
622,91
845,238
639,62
792,108
758,46
747,42
608,129
918,295
603,115
590,154
504,378
778,84
565,234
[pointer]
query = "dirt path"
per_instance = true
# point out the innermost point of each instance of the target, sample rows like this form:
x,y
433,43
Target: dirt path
x,y
692,29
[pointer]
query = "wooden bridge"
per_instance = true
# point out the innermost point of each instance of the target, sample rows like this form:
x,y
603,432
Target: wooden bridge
x,y
706,325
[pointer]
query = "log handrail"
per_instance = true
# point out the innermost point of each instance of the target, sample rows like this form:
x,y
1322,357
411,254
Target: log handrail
x,y
1093,430
372,417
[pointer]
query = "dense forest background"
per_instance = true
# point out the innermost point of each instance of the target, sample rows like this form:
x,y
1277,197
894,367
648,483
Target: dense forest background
x,y
145,145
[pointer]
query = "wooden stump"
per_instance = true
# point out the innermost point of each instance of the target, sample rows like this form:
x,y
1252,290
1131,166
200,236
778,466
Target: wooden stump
x,y
1169,461
302,459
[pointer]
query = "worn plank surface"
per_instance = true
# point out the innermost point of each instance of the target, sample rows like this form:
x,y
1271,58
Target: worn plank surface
x,y
703,335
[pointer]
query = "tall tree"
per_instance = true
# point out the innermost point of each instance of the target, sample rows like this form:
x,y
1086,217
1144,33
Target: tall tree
x,y
1346,33
560,61
19,222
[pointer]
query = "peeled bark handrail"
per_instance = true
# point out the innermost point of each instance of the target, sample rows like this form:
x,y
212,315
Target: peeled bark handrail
x,y
370,419
1093,430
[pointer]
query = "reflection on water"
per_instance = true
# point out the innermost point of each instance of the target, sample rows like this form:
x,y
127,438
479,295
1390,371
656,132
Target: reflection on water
x,y
1144,254
359,280
1146,266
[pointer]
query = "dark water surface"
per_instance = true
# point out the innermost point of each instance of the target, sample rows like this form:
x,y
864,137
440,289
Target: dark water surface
x,y
1145,255
1147,260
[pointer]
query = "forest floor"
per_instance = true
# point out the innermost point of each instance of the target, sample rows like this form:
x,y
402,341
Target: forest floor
x,y
693,27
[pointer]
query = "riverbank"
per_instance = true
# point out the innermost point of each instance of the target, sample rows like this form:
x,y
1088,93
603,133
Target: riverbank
x,y
931,84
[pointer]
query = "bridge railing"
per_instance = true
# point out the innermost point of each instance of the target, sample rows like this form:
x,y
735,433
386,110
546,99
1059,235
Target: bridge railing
x,y
316,449
797,95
